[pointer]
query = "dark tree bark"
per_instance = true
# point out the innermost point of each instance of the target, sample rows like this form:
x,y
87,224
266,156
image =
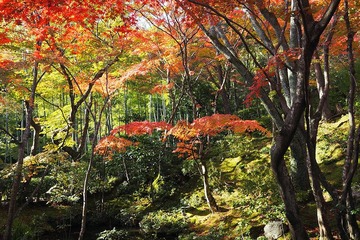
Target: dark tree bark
x,y
96,117
352,153
75,105
17,176
29,107
87,175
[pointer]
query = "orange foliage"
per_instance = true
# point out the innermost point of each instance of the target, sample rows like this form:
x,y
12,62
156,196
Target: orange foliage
x,y
4,39
263,75
135,70
160,89
111,144
190,135
107,85
107,146
6,64
141,128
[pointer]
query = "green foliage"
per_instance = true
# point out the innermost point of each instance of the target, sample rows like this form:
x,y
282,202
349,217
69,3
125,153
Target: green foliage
x,y
31,230
195,199
163,223
113,234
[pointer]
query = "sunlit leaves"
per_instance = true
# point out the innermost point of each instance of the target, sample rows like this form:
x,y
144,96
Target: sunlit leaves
x,y
162,88
213,125
264,75
192,135
112,144
141,128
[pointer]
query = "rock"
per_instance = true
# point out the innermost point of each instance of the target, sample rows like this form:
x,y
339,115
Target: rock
x,y
274,230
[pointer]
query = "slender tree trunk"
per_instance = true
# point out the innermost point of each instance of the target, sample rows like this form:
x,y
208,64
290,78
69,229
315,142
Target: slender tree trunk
x,y
320,82
322,215
222,78
97,124
125,170
21,152
84,136
87,175
203,170
16,184
288,195
350,161
207,190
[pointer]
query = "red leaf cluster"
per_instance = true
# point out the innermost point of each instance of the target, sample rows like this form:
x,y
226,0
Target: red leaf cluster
x,y
190,135
213,125
160,89
141,128
111,144
263,75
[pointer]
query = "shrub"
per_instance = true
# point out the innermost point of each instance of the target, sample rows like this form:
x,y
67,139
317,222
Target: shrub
x,y
163,223
113,234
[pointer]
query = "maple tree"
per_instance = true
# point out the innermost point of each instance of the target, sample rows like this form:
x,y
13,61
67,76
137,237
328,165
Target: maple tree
x,y
111,143
193,139
192,70
194,142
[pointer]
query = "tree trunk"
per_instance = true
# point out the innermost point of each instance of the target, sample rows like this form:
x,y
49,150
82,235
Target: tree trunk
x,y
97,127
15,185
207,190
36,137
21,151
84,136
298,170
351,151
297,229
322,216
320,83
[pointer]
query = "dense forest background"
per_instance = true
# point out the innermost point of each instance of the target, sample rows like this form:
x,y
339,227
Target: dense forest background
x,y
179,119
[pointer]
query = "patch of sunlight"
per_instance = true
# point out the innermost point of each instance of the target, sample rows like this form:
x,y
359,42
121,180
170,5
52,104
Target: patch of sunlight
x,y
229,164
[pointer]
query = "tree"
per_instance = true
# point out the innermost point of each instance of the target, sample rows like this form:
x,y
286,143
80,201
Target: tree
x,y
47,34
199,76
195,142
288,78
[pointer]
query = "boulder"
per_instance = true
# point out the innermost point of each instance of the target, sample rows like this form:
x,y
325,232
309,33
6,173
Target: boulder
x,y
274,230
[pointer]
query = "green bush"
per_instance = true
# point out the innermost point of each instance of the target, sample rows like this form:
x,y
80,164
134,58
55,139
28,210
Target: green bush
x,y
163,223
33,229
113,234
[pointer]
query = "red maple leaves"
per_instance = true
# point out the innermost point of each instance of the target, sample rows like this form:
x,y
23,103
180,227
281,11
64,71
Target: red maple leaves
x,y
141,128
111,144
189,135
